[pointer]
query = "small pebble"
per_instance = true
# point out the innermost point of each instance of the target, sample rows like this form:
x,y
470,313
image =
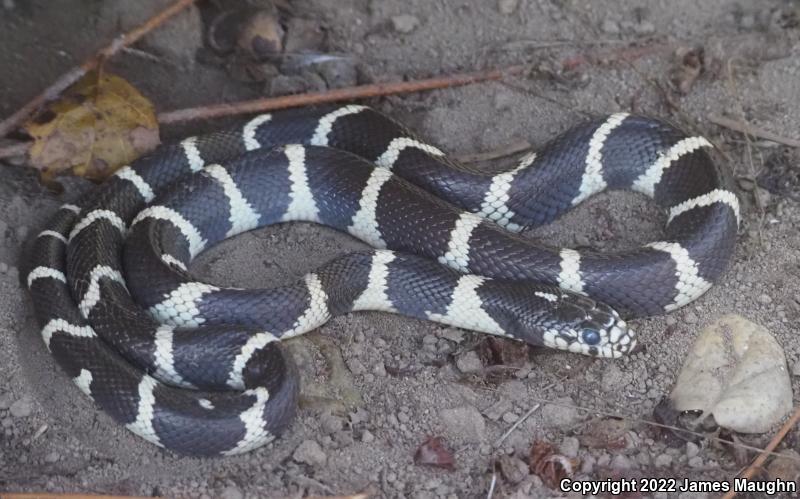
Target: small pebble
x,y
587,464
690,318
52,457
232,492
692,449
379,369
795,370
645,28
310,452
696,462
507,6
429,339
367,437
22,408
286,85
330,423
405,23
609,26
452,334
663,461
469,362
338,73
620,463
764,299
6,400
510,417
3,267
570,446
356,367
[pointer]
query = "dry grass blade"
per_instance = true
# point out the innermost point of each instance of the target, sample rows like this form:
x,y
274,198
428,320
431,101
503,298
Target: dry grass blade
x,y
743,127
635,419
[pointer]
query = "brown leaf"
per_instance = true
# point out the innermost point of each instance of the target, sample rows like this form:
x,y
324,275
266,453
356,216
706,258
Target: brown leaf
x,y
503,352
549,466
688,68
432,452
100,124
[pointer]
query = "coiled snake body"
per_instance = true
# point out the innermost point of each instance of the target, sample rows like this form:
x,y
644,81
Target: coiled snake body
x,y
197,368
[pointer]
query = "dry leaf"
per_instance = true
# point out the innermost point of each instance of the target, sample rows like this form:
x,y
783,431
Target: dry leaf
x,y
687,69
549,466
100,124
432,452
495,351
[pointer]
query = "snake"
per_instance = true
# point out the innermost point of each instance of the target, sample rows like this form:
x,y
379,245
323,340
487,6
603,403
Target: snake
x,y
198,369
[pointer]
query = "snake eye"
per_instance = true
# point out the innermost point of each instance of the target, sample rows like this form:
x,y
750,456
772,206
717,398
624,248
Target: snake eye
x,y
590,336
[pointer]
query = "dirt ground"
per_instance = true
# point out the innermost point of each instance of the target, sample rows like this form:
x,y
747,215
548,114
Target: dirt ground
x,y
378,385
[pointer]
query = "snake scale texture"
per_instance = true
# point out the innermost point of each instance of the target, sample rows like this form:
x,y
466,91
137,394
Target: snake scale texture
x,y
197,369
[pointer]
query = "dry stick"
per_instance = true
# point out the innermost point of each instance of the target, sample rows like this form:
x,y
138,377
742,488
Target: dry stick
x,y
341,94
749,129
349,93
758,462
634,419
74,74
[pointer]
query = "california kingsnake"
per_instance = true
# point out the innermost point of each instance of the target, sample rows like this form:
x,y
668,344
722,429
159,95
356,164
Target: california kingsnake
x,y
165,381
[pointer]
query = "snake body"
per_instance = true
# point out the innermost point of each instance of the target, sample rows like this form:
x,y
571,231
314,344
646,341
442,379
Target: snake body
x,y
197,368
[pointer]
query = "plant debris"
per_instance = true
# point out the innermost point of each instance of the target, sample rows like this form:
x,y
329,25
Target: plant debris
x,y
432,452
688,67
100,124
549,466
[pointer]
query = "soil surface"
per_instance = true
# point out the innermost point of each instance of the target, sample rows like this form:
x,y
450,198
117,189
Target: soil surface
x,y
376,385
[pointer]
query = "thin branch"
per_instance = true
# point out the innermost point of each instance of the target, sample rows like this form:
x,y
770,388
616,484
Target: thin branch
x,y
746,128
759,461
336,95
74,74
634,419
521,420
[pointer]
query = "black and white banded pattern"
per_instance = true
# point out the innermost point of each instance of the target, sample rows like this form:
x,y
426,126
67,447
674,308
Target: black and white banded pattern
x,y
197,368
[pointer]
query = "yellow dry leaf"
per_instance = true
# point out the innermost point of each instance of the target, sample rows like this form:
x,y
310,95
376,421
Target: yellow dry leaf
x,y
100,124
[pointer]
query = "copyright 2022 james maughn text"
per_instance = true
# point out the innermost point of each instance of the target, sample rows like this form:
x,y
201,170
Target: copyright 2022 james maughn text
x,y
653,485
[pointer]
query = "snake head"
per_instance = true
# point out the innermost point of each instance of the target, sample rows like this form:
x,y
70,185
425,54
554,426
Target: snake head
x,y
572,322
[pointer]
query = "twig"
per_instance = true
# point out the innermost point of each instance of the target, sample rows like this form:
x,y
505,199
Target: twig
x,y
758,462
515,425
74,74
501,152
746,128
492,485
340,94
634,419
